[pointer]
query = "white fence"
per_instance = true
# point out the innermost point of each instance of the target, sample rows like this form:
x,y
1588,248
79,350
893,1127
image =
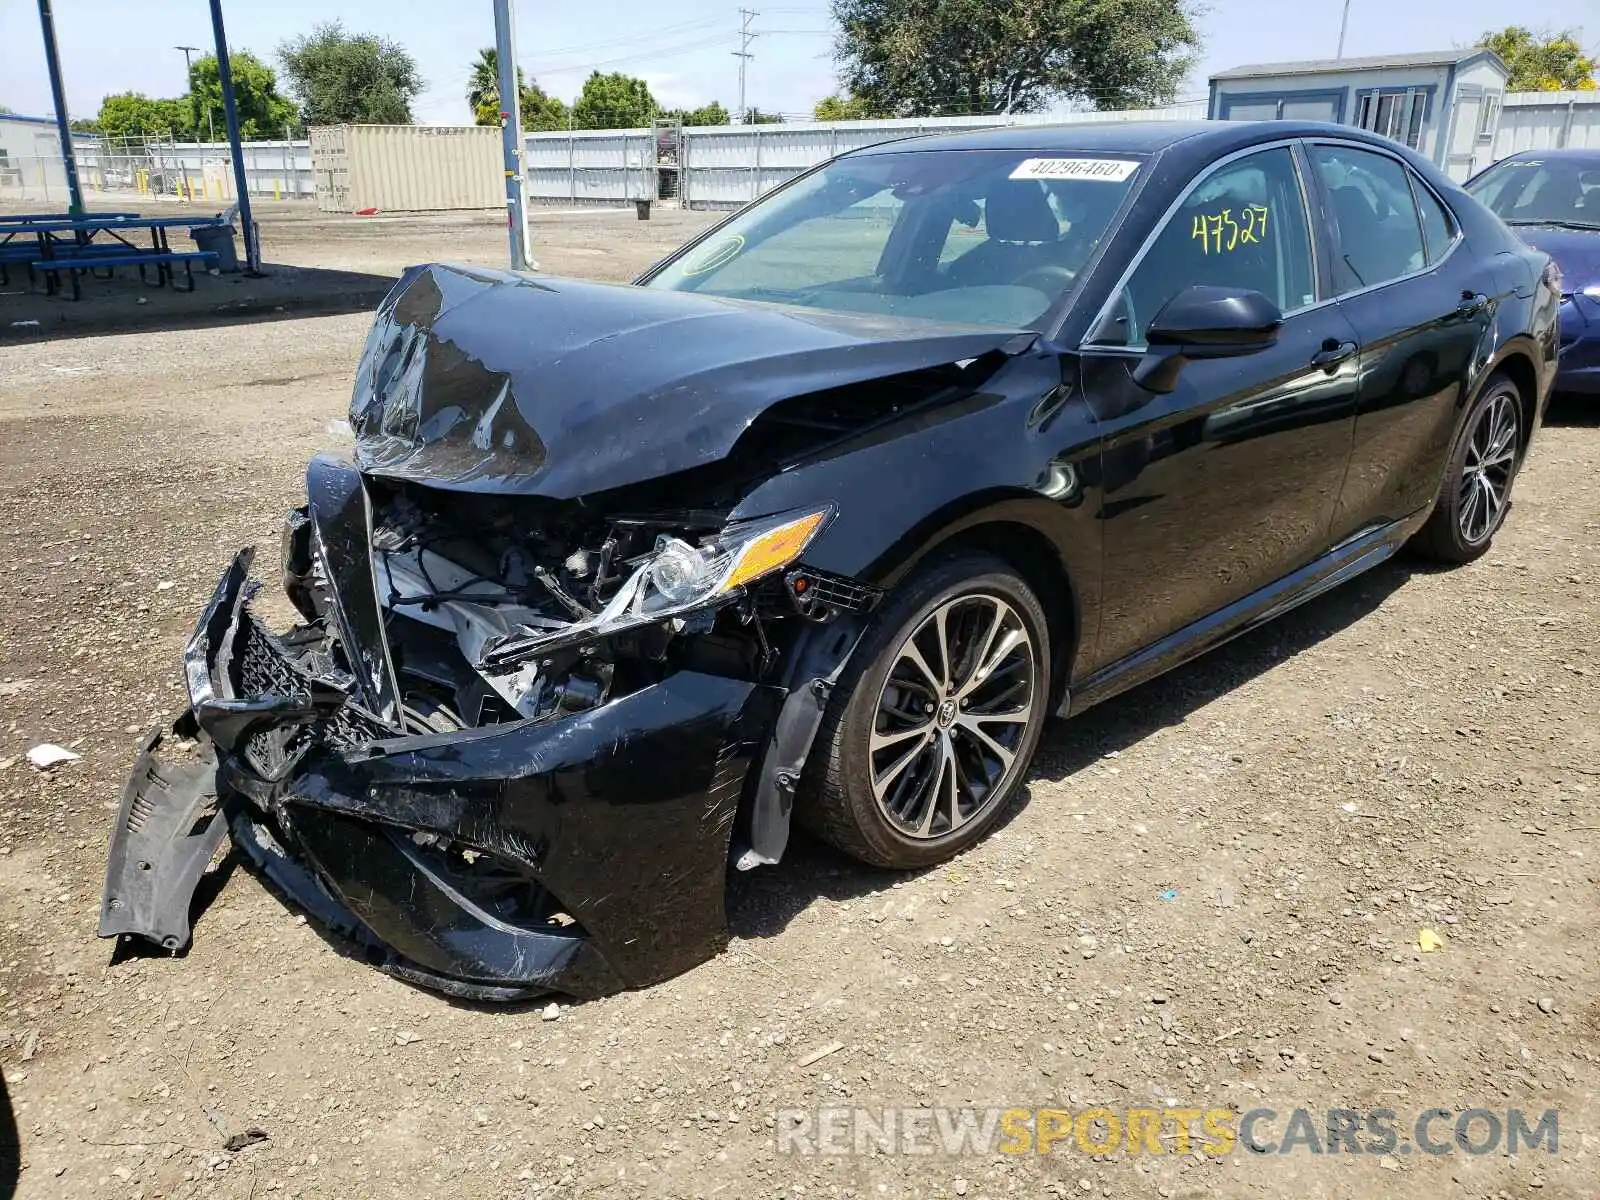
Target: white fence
x,y
590,166
724,166
1548,121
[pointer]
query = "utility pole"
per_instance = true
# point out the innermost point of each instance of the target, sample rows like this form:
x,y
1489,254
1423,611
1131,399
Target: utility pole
x,y
58,97
188,77
1344,23
230,111
505,49
744,56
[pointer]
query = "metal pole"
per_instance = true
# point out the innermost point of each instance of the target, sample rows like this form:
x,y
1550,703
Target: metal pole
x,y
188,76
511,148
744,56
230,111
1344,23
58,97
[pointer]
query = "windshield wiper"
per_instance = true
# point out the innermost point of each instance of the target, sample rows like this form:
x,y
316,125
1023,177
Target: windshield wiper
x,y
1557,224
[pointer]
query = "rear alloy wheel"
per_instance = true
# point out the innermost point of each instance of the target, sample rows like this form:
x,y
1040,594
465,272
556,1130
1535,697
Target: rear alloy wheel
x,y
942,714
1485,486
1476,493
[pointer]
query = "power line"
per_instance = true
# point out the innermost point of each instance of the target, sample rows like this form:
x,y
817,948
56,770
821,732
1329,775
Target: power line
x,y
643,56
680,28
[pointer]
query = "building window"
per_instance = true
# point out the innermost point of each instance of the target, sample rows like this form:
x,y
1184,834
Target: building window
x,y
1393,114
1488,116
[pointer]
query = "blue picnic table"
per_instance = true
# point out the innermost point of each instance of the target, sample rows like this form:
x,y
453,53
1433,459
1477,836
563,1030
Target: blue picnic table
x,y
67,244
33,218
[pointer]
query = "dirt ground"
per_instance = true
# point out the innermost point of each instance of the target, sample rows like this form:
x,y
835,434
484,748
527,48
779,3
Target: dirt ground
x,y
321,265
1211,895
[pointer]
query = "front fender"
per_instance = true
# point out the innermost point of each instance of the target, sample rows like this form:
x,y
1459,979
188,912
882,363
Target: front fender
x,y
1023,453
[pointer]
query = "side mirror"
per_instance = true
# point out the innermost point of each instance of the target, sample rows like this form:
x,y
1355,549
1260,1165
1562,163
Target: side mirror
x,y
1205,322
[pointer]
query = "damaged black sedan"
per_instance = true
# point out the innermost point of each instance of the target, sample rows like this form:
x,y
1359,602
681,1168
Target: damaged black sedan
x,y
819,521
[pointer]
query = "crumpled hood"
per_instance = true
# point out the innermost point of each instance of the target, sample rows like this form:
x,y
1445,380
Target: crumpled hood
x,y
1576,252
483,380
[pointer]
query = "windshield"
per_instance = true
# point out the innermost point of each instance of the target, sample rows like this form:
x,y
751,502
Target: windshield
x,y
1542,191
980,237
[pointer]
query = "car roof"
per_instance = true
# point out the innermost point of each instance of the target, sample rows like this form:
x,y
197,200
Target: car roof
x,y
1205,138
1581,153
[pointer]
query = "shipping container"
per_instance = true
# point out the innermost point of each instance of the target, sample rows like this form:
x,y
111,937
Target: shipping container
x,y
407,168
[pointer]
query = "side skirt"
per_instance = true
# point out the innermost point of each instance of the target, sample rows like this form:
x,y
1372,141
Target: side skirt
x,y
1344,562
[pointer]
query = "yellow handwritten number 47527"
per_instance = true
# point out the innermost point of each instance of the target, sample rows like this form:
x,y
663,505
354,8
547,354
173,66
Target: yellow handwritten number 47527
x,y
1222,232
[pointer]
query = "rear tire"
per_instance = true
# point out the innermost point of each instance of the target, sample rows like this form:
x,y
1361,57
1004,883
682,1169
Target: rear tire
x,y
930,730
1476,492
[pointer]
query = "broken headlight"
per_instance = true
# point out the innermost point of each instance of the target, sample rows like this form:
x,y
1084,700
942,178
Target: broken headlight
x,y
680,576
677,579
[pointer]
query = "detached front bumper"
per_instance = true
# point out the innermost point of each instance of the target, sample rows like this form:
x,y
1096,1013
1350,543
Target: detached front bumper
x,y
584,854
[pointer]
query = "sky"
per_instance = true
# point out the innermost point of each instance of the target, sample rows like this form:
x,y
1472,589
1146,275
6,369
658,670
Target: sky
x,y
682,48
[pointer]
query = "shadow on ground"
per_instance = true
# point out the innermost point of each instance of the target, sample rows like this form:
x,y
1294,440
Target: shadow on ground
x,y
125,304
10,1147
761,903
1570,409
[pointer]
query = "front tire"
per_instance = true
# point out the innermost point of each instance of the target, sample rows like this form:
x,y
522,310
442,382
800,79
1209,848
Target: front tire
x,y
932,726
1476,493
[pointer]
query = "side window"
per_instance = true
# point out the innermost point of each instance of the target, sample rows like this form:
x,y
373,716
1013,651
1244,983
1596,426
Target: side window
x,y
1438,227
1380,235
1243,226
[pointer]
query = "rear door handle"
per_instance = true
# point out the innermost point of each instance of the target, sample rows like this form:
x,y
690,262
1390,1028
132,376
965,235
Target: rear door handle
x,y
1333,353
1472,303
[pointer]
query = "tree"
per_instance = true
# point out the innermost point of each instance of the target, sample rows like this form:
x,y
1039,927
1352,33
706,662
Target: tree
x,y
706,114
133,114
913,58
614,101
1543,61
541,111
350,78
83,125
263,113
483,87
843,108
757,117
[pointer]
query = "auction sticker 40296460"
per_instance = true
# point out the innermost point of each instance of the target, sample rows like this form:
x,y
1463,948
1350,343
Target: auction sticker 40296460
x,y
1109,170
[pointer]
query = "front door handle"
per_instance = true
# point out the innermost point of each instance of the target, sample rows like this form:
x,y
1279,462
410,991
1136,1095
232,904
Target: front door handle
x,y
1472,303
1333,353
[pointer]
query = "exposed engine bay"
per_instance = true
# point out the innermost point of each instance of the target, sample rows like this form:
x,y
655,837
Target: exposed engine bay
x,y
506,608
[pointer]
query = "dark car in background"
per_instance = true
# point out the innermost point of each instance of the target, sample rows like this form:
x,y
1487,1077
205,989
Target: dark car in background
x,y
821,520
1551,198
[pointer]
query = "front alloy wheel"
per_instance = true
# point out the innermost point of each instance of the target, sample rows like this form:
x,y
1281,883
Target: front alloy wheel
x,y
932,725
951,716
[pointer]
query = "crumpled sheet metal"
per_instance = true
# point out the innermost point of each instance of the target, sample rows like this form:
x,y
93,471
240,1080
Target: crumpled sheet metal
x,y
481,380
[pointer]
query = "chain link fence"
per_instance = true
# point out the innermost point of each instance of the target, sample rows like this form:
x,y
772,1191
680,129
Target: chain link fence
x,y
122,170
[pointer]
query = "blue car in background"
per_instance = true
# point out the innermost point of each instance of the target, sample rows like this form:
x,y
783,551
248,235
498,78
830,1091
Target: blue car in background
x,y
1552,199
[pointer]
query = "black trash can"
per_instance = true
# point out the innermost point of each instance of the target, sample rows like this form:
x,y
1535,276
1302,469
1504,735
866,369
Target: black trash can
x,y
642,207
219,240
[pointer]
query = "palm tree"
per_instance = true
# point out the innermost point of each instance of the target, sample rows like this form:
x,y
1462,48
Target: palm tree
x,y
483,88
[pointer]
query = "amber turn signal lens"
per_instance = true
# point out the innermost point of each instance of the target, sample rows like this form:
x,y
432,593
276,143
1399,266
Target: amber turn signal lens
x,y
776,548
